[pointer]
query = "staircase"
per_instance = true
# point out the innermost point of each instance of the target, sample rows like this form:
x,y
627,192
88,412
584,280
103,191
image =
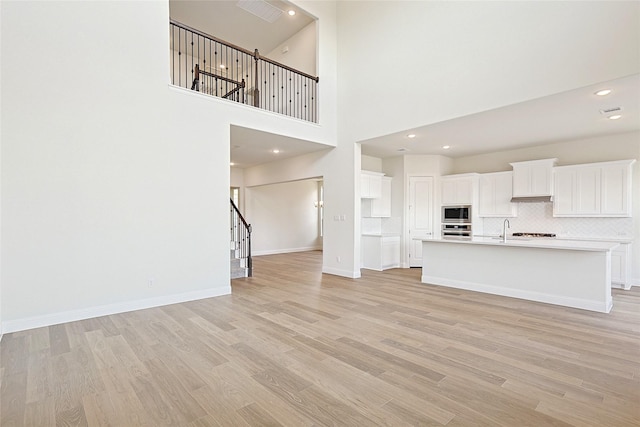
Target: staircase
x,y
238,266
241,265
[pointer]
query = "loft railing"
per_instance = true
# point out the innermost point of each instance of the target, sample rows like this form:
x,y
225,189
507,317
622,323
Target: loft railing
x,y
207,64
241,238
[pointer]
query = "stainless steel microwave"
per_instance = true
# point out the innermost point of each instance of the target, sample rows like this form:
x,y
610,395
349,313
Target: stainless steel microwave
x,y
456,214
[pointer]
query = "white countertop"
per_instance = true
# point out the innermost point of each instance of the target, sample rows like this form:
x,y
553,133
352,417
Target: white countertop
x,y
551,243
381,234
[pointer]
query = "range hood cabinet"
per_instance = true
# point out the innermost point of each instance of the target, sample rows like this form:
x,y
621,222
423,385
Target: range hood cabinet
x,y
532,199
533,180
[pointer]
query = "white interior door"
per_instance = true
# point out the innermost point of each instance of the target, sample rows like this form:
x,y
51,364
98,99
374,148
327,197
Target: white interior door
x,y
420,216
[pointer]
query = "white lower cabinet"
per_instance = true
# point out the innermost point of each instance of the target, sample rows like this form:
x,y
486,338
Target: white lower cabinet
x,y
621,266
380,252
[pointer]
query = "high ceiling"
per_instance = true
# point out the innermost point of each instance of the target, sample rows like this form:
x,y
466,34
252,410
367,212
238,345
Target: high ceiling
x,y
564,116
571,115
227,21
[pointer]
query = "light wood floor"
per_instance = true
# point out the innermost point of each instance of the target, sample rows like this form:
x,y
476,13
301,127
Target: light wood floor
x,y
293,347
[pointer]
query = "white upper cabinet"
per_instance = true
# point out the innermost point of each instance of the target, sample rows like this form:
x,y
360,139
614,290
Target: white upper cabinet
x,y
380,207
593,190
533,178
370,185
495,195
615,190
458,189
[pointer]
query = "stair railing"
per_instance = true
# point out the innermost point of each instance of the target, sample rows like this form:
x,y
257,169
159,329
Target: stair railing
x,y
213,66
241,236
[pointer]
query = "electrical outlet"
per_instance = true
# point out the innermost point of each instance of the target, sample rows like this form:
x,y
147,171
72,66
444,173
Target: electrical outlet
x,y
150,283
338,259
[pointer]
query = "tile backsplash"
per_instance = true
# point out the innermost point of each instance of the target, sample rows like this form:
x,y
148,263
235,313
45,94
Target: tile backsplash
x,y
538,218
391,225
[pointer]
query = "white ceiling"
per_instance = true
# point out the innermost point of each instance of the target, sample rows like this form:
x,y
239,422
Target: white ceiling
x,y
225,20
250,147
565,116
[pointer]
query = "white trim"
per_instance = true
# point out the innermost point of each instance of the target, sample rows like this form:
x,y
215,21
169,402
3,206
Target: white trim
x,y
235,104
343,273
286,251
522,294
106,310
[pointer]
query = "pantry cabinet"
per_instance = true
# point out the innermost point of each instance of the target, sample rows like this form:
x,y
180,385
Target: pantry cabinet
x,y
495,195
593,190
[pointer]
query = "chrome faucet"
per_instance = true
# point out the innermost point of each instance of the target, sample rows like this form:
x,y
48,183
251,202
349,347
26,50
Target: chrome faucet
x,y
505,224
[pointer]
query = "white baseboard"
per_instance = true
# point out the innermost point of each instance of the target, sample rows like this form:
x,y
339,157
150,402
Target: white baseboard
x,y
343,273
106,310
286,251
601,307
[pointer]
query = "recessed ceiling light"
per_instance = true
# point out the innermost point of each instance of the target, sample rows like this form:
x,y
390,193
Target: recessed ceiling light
x,y
603,92
276,151
291,12
411,135
232,164
615,117
446,147
222,66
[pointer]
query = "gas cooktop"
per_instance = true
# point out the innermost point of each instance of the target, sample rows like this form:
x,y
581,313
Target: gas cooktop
x,y
534,235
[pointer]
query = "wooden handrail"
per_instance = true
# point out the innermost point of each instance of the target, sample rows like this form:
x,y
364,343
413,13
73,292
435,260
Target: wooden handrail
x,y
256,55
247,227
219,77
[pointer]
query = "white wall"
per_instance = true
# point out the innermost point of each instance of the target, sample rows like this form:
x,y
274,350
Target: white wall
x,y
1,330
302,50
111,178
339,167
413,63
237,180
600,149
370,163
109,198
283,217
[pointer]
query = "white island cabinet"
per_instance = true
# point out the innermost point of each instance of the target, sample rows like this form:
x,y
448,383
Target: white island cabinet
x,y
562,272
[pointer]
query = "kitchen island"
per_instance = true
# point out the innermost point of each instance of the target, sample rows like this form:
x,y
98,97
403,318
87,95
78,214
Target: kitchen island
x,y
570,273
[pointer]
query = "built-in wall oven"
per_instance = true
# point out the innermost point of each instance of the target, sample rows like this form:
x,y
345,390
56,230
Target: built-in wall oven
x,y
456,231
456,222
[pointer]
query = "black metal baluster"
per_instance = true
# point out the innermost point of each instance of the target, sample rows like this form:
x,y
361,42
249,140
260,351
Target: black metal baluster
x,y
284,90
